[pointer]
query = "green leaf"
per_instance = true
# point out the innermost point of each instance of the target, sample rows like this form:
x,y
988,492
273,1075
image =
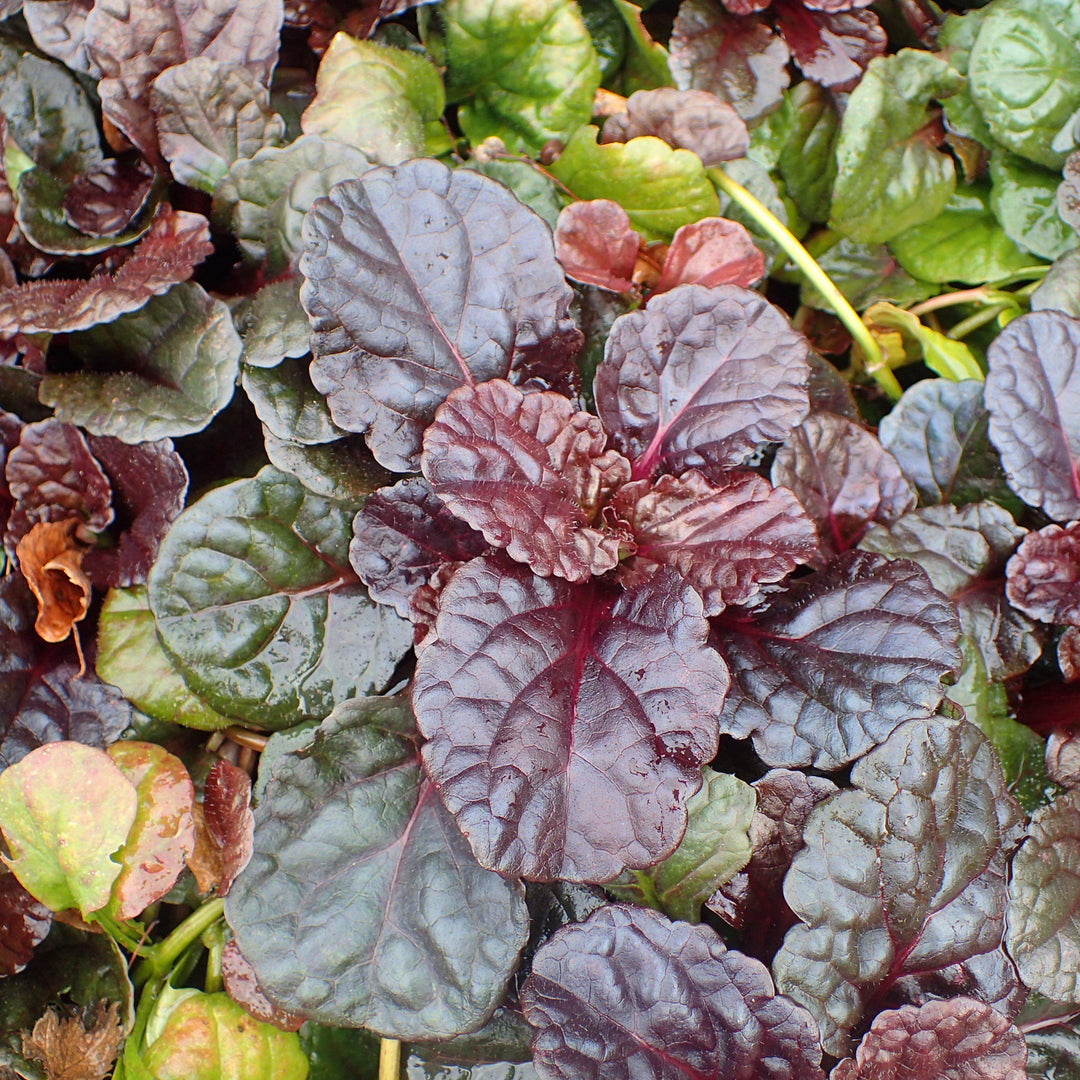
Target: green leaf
x,y
272,324
130,657
262,200
807,161
715,847
888,177
209,115
526,74
1024,200
375,98
65,808
1024,74
209,1037
161,371
955,41
964,243
340,1053
660,188
256,603
608,33
531,187
947,358
646,64
342,470
287,403
362,904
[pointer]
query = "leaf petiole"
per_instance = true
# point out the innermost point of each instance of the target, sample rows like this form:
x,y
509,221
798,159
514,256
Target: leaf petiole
x,y
875,362
158,959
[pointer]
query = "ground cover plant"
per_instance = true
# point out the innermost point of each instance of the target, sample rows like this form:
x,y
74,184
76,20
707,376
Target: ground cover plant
x,y
540,540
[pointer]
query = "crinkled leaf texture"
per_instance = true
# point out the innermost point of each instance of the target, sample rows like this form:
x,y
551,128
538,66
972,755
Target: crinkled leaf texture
x,y
712,251
164,370
228,818
1044,575
420,280
402,536
1044,901
844,478
959,1039
567,724
727,539
701,377
65,809
629,993
257,606
1033,395
903,873
529,472
596,245
362,905
827,669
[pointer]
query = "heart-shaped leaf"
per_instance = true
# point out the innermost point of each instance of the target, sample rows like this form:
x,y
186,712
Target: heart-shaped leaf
x,y
387,922
407,305
520,691
925,833
256,604
827,669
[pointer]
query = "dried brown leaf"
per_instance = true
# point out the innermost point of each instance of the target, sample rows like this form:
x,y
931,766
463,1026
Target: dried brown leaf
x,y
70,1051
51,561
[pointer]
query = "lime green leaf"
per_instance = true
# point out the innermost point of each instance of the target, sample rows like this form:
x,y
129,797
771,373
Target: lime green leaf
x,y
808,159
209,1037
132,659
65,809
888,177
714,848
660,188
375,98
963,243
1024,74
526,73
949,359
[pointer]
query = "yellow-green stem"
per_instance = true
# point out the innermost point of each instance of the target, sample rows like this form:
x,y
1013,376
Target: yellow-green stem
x,y
389,1059
874,360
161,957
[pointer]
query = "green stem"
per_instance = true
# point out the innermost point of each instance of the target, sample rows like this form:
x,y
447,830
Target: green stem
x,y
161,957
120,933
973,322
874,359
214,940
389,1059
1026,274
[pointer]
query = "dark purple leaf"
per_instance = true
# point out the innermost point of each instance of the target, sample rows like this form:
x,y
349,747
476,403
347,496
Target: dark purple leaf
x,y
362,905
702,377
753,901
176,243
24,923
989,977
402,535
1044,901
132,41
959,1039
228,817
685,119
831,46
740,60
241,985
52,476
1033,395
1068,192
530,473
1044,575
595,244
1068,654
421,280
630,994
150,484
105,200
827,669
903,873
938,433
567,723
1063,758
829,391
844,478
713,251
727,540
964,552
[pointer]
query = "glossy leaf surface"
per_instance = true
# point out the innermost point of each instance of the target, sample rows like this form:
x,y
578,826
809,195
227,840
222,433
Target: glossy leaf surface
x,y
228,818
256,604
628,993
531,689
828,668
675,389
420,280
596,245
382,918
925,832
1044,575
